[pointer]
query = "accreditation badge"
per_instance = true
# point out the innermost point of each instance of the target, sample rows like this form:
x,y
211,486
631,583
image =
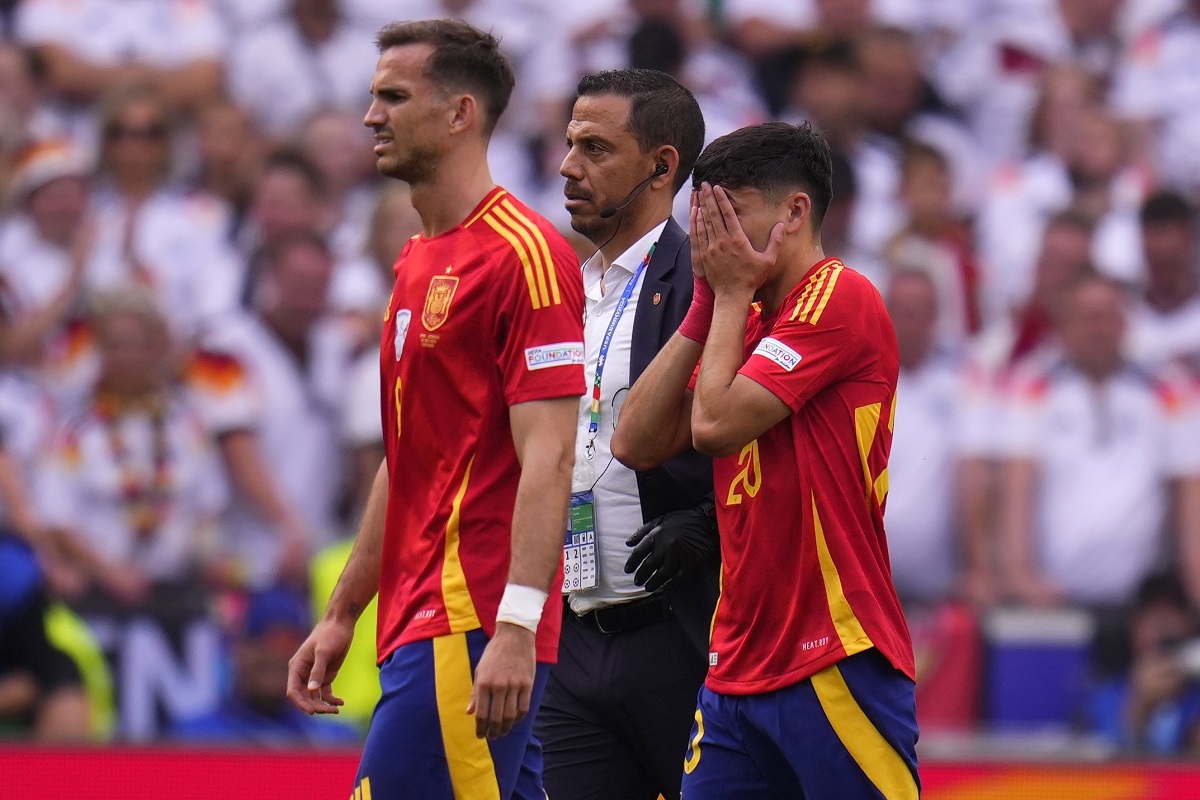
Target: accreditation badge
x,y
579,547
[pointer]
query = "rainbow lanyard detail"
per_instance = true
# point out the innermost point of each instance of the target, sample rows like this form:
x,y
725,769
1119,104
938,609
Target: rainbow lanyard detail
x,y
605,343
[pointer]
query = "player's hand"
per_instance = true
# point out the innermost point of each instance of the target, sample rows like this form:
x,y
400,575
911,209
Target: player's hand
x,y
727,259
312,670
503,687
667,548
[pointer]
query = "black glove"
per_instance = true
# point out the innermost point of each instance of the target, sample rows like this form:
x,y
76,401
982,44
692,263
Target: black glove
x,y
669,547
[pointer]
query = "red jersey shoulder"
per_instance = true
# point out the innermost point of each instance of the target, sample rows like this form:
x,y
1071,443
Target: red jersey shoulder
x,y
547,265
833,290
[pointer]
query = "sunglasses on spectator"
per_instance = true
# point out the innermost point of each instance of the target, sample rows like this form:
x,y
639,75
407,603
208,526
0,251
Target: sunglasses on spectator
x,y
153,132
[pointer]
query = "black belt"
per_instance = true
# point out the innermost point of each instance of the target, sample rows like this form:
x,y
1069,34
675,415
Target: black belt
x,y
629,616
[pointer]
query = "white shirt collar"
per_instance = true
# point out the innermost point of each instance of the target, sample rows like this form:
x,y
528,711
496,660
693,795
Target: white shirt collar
x,y
627,261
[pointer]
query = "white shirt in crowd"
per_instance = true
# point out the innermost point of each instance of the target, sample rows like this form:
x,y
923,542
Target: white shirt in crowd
x,y
295,410
81,487
1157,338
276,74
618,502
180,240
1104,456
32,272
165,33
942,416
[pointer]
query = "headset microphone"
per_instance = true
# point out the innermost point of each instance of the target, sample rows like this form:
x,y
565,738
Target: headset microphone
x,y
612,211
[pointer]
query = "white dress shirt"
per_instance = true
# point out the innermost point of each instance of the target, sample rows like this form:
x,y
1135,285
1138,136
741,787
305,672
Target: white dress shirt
x,y
618,503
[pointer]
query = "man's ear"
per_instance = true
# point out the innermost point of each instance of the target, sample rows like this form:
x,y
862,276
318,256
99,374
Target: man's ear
x,y
666,156
465,113
799,211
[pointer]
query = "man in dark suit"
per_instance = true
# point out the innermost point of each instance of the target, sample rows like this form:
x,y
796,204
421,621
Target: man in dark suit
x,y
641,558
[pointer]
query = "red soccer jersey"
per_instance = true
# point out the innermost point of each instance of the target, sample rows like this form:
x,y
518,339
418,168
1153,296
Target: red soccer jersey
x,y
482,317
806,579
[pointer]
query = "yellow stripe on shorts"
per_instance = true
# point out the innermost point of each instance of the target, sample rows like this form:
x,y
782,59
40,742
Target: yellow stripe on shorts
x,y
883,766
472,772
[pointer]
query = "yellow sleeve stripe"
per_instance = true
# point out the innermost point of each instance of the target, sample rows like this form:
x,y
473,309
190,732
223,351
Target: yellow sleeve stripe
x,y
484,210
531,248
812,301
519,249
547,259
815,317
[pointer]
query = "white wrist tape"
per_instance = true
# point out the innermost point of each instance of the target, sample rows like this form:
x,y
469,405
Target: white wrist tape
x,y
522,605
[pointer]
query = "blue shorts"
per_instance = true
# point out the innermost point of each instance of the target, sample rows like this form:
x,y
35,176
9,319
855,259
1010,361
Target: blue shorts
x,y
849,732
422,742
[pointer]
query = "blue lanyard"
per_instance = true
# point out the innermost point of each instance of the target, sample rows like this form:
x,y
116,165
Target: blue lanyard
x,y
605,343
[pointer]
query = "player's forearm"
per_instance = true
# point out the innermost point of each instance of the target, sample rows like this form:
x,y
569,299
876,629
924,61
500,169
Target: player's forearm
x,y
713,407
359,581
540,512
655,420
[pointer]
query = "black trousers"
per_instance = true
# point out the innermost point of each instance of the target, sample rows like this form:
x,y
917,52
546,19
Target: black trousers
x,y
617,712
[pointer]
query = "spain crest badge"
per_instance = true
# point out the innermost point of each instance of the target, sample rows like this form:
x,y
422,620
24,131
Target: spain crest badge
x,y
437,301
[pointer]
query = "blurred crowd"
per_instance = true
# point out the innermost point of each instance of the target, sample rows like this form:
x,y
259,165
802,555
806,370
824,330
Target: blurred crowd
x,y
195,250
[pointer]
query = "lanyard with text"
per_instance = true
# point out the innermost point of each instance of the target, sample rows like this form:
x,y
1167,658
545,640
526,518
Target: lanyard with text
x,y
605,343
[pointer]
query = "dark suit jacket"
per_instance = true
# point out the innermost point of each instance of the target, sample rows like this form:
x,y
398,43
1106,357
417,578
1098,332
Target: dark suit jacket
x,y
686,480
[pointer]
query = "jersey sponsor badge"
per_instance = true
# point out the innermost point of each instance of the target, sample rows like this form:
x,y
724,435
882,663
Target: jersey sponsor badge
x,y
437,301
553,355
403,318
778,352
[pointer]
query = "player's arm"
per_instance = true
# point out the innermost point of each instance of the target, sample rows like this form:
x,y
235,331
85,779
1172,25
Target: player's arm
x,y
544,436
312,670
730,410
655,421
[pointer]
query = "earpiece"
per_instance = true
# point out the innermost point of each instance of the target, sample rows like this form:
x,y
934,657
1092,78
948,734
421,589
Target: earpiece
x,y
661,169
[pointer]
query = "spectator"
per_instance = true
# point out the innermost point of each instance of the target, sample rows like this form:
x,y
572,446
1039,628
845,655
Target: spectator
x,y
935,241
256,712
41,689
229,155
133,486
1028,328
338,145
1095,176
89,46
269,382
314,39
1155,89
1093,446
1154,709
993,72
24,116
44,253
936,473
394,222
1166,323
901,104
290,198
149,231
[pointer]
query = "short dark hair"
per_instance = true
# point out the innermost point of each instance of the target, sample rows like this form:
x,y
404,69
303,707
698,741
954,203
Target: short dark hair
x,y
1074,219
464,58
661,111
773,157
915,152
1167,207
291,160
